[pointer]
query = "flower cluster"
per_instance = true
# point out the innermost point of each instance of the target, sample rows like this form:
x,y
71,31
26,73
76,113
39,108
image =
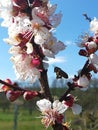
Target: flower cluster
x,y
53,112
13,91
30,26
90,45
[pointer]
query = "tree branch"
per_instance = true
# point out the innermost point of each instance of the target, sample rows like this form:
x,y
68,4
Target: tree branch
x,y
45,86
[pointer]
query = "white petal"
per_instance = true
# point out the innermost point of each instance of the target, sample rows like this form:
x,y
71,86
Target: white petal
x,y
29,48
56,19
6,3
57,46
83,81
76,109
48,53
94,25
55,104
42,35
43,104
11,41
52,9
94,59
59,106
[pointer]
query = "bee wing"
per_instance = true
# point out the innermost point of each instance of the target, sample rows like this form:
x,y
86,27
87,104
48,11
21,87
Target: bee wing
x,y
60,73
64,74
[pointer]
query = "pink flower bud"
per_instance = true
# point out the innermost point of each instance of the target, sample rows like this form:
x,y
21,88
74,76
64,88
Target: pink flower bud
x,y
35,62
29,95
69,100
83,52
5,87
13,95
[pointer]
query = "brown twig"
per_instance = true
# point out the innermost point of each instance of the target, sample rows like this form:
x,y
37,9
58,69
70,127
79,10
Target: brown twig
x,y
15,87
86,17
45,86
65,94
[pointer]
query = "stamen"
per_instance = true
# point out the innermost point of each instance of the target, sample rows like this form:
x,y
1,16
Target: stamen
x,y
27,35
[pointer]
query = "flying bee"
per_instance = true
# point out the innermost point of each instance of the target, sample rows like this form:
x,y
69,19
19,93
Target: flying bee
x,y
60,73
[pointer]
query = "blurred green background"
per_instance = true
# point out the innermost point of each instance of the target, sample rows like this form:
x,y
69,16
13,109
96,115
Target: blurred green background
x,y
24,115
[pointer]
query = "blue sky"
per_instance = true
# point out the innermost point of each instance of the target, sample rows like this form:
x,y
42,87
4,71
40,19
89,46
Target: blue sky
x,y
72,25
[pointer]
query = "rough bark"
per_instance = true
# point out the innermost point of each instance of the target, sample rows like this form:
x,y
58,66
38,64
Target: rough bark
x,y
45,90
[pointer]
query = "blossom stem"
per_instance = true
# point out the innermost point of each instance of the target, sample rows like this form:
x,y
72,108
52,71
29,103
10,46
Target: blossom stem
x,y
57,126
45,86
87,18
11,85
16,87
84,69
65,94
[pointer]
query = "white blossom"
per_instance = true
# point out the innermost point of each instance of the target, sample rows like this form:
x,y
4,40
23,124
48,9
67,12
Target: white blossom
x,y
59,106
21,29
83,81
44,104
94,25
22,65
52,47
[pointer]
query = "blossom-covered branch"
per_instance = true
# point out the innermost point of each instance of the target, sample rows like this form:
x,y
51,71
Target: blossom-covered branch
x,y
13,91
30,35
30,26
